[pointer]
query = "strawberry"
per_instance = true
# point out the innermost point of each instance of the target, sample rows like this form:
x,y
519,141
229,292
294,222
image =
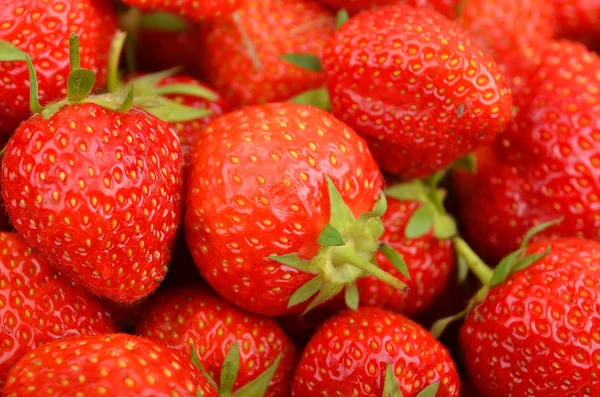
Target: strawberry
x,y
197,11
42,29
283,202
243,51
96,188
183,316
546,164
93,366
500,26
374,353
577,18
39,305
444,7
465,94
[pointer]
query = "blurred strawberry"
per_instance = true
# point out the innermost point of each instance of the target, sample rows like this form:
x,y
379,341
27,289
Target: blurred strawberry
x,y
577,18
444,7
195,10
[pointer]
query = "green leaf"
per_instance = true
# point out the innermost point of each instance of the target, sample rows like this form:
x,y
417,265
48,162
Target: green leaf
x,y
197,364
147,81
503,269
172,111
341,216
378,211
460,8
537,229
34,101
164,21
114,60
127,102
80,84
420,222
328,292
199,393
351,296
258,387
440,326
307,290
341,18
395,258
190,89
304,61
317,97
430,391
390,386
528,260
74,60
467,163
444,227
50,110
330,237
9,52
411,191
462,269
229,371
294,261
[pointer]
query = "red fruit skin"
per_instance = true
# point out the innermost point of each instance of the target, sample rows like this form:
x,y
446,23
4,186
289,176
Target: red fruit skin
x,y
194,315
41,28
545,166
258,188
536,334
577,18
416,87
98,193
269,29
197,11
444,7
109,364
500,26
349,353
430,263
39,305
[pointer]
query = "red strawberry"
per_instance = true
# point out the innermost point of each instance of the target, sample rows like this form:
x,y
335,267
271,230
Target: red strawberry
x,y
266,217
38,305
416,87
577,18
97,189
537,333
546,165
243,51
115,364
184,316
195,10
500,26
445,7
42,28
374,353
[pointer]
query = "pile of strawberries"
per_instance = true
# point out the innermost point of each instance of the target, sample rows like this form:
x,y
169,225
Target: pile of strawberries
x,y
300,198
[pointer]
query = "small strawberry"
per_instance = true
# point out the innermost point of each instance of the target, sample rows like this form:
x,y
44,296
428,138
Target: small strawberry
x,y
283,202
95,185
243,51
577,18
41,29
444,7
374,353
39,305
116,364
545,165
197,11
182,317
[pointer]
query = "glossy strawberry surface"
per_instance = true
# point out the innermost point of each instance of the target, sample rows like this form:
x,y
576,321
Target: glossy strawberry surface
x,y
537,333
39,305
197,11
257,188
98,192
417,87
119,365
348,354
546,164
445,7
41,28
243,52
194,315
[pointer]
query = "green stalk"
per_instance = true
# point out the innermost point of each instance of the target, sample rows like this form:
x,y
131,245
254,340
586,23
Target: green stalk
x,y
74,60
114,58
477,266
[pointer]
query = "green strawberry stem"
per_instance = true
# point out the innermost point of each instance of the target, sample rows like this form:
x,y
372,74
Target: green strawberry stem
x,y
247,42
348,255
74,59
114,58
476,265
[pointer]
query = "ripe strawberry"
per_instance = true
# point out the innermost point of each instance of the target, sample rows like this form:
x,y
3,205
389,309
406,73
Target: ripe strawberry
x,y
42,29
97,189
243,51
195,10
444,7
536,333
374,353
183,316
93,366
38,305
416,87
266,216
546,165
500,27
577,18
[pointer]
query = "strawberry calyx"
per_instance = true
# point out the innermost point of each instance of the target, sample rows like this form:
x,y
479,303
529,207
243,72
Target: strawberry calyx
x,y
229,371
392,389
513,262
348,248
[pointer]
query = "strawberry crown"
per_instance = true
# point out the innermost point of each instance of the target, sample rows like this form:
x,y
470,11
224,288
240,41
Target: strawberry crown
x,y
392,389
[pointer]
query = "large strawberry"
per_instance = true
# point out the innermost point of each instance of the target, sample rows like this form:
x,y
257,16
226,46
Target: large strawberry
x,y
195,10
39,305
445,7
545,165
577,18
374,353
41,28
416,87
184,316
95,185
110,364
243,51
283,202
